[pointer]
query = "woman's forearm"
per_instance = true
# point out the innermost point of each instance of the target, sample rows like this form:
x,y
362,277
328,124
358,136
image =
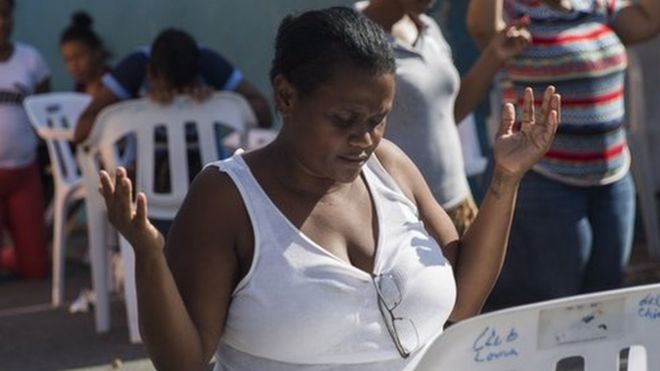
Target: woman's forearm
x,y
484,20
171,338
485,241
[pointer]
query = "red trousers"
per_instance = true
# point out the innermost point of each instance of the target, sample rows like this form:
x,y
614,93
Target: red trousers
x,y
22,214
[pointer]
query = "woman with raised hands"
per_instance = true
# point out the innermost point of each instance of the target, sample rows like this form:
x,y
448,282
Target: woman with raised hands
x,y
324,250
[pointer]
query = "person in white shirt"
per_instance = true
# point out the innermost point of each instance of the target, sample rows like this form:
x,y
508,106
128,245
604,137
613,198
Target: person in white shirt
x,y
431,97
22,72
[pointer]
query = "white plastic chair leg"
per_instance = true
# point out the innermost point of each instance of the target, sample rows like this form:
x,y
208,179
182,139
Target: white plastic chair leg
x,y
99,263
637,359
130,290
96,231
59,246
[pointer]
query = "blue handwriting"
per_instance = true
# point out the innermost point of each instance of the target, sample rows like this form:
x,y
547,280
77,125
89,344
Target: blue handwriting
x,y
649,307
491,346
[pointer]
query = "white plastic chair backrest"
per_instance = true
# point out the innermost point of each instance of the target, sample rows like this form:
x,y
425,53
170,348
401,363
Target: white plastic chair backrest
x,y
256,138
143,117
54,116
536,337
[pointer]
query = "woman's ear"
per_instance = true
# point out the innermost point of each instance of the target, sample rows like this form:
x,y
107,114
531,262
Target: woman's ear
x,y
285,94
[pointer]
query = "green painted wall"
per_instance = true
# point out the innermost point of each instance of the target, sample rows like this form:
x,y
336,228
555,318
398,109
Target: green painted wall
x,y
242,30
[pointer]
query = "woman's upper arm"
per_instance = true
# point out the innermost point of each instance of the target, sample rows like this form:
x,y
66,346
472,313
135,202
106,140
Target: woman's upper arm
x,y
201,252
414,186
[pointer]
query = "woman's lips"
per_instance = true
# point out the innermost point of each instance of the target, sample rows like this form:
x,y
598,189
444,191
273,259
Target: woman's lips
x,y
356,159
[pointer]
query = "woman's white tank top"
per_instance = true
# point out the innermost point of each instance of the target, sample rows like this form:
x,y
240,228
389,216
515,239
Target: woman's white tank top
x,y
301,308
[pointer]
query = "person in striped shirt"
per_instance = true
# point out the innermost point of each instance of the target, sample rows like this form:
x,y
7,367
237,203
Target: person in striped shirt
x,y
573,228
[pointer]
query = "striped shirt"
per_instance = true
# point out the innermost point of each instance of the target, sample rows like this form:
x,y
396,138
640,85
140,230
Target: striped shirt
x,y
578,52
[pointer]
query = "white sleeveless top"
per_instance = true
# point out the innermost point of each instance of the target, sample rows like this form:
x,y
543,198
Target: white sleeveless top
x,y
301,308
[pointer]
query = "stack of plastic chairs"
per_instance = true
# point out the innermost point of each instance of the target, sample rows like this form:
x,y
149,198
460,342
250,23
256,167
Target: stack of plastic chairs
x,y
54,116
147,121
607,331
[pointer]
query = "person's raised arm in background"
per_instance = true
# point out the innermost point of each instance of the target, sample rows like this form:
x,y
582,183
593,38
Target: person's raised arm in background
x,y
635,22
507,43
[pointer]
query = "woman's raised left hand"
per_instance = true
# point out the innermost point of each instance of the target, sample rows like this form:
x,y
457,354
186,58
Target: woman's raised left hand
x,y
516,150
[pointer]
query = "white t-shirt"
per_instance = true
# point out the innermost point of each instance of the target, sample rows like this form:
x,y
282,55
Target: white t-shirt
x,y
19,76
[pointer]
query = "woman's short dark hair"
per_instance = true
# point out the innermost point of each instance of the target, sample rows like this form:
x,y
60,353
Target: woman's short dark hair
x,y
80,30
311,45
175,58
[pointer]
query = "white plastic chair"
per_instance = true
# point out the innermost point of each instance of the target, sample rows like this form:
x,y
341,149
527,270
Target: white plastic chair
x,y
588,331
256,138
142,118
54,116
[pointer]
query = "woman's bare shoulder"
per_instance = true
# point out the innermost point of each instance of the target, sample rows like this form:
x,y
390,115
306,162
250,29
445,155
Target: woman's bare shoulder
x,y
399,166
214,189
213,209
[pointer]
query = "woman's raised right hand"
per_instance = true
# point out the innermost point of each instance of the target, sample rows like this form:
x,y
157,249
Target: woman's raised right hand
x,y
129,220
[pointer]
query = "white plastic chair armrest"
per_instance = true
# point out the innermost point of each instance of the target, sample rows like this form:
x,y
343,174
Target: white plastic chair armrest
x,y
55,134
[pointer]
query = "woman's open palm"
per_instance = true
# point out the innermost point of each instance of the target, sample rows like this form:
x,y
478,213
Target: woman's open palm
x,y
129,220
516,150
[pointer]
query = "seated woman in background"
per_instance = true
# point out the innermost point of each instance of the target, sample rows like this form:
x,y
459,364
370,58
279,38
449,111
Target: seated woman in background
x,y
85,57
324,250
173,64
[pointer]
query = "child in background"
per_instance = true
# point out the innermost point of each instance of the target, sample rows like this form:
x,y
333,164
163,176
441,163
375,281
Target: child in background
x,y
84,54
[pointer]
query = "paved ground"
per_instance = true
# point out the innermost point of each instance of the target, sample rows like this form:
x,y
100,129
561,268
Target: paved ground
x,y
35,336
